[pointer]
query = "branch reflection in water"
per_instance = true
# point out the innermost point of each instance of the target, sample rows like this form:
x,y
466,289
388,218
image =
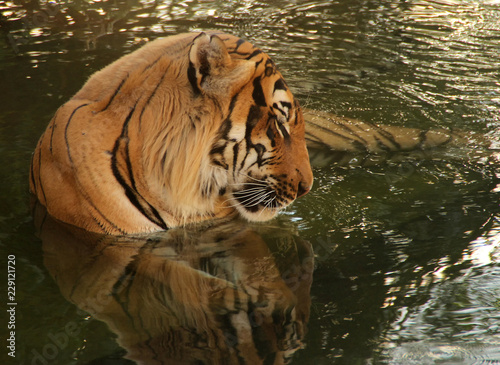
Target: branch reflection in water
x,y
215,294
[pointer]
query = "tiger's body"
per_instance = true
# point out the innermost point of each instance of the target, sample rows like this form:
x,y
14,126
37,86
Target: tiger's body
x,y
187,128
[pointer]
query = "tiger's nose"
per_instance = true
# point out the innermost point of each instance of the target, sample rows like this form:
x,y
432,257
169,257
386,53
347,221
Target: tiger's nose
x,y
303,189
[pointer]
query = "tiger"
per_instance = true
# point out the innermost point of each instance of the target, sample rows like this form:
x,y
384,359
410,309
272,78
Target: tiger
x,y
225,293
194,127
187,128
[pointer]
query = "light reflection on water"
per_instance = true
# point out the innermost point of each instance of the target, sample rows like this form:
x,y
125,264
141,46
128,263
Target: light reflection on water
x,y
406,254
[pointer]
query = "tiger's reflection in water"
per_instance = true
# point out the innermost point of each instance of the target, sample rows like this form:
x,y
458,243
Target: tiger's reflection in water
x,y
218,294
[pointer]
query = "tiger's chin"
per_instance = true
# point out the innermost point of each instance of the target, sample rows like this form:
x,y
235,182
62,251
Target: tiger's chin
x,y
258,213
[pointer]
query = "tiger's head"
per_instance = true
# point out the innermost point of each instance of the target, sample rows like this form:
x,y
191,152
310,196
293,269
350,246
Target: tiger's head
x,y
260,145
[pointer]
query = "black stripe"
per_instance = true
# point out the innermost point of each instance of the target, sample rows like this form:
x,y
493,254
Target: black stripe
x,y
66,131
254,53
350,130
132,194
40,177
127,120
236,149
191,73
152,64
225,128
158,218
151,97
270,134
258,63
383,146
32,177
254,114
114,163
358,145
260,149
220,163
223,134
53,129
258,94
85,195
218,150
312,138
355,139
115,93
239,42
386,135
232,104
131,191
280,85
253,117
227,124
284,132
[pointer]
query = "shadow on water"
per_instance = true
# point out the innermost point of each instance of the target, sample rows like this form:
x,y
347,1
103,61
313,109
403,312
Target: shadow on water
x,y
219,294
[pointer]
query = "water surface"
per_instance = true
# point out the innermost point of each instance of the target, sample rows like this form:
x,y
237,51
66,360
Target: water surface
x,y
406,254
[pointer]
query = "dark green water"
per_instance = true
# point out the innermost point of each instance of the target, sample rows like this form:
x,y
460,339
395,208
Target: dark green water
x,y
406,254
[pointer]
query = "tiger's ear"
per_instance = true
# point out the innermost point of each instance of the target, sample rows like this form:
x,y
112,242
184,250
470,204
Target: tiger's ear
x,y
211,68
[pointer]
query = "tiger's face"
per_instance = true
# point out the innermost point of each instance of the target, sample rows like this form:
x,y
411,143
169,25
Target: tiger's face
x,y
261,146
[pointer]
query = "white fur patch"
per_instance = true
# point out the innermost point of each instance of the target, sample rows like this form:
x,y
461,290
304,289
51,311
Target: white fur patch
x,y
237,132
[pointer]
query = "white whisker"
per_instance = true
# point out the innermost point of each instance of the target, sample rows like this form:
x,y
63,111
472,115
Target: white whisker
x,y
248,196
267,205
253,197
261,199
249,199
251,193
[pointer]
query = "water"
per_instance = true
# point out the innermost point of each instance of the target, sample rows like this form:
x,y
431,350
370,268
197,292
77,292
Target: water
x,y
406,254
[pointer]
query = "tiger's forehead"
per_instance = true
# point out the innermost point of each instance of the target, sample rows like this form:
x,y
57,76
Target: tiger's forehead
x,y
270,89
